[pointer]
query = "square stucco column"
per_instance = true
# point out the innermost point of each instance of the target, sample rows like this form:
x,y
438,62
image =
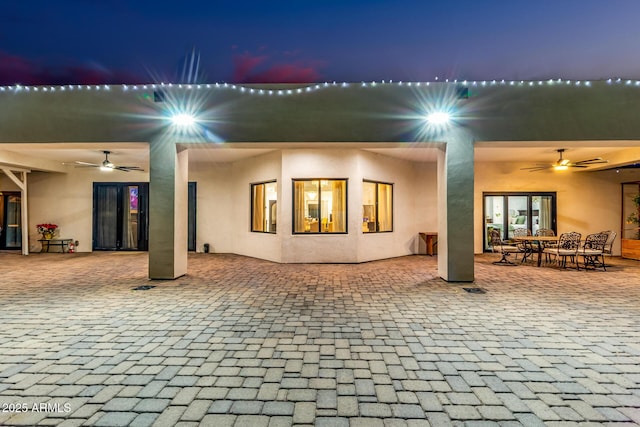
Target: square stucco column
x,y
168,195
455,209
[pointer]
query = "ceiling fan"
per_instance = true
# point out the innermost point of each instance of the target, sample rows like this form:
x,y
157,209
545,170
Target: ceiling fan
x,y
107,165
564,164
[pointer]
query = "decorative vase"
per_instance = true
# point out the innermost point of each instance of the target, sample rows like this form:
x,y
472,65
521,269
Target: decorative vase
x,y
47,236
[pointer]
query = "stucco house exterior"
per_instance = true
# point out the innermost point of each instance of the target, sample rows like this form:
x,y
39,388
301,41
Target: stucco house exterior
x,y
331,172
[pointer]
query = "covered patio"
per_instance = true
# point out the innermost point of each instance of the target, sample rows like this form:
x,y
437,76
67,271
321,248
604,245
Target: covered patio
x,y
369,131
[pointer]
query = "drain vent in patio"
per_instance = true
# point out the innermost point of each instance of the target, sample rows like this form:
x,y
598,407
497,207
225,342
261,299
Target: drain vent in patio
x,y
143,288
475,290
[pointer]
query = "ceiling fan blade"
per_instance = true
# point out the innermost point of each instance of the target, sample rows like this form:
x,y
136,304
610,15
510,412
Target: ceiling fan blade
x,y
86,164
595,161
129,168
575,165
536,168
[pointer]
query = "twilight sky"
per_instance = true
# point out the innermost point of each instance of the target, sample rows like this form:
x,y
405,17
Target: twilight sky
x,y
143,41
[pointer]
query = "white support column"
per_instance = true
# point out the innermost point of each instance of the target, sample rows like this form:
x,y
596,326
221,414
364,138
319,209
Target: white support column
x,y
455,209
168,189
24,219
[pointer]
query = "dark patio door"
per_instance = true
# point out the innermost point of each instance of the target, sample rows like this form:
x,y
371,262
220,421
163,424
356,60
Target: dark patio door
x,y
120,216
10,220
191,230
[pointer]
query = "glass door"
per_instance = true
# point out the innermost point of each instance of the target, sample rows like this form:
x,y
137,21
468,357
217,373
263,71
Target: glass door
x,y
493,217
510,211
518,214
119,216
10,221
542,215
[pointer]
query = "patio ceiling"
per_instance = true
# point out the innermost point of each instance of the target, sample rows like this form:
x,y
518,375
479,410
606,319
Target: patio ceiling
x,y
53,156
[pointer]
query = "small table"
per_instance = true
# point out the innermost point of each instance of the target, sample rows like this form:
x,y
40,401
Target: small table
x,y
47,243
538,240
430,240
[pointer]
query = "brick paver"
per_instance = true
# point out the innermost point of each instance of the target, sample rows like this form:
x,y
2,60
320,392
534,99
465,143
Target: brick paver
x,y
245,342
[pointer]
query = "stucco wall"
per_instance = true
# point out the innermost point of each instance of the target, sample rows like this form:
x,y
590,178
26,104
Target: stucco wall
x,y
310,163
67,200
223,206
245,242
414,205
587,202
214,206
387,112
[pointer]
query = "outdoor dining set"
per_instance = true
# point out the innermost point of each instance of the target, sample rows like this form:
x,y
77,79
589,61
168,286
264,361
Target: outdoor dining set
x,y
566,249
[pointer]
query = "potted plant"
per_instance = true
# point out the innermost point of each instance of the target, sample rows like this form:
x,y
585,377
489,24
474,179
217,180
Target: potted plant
x,y
631,244
47,230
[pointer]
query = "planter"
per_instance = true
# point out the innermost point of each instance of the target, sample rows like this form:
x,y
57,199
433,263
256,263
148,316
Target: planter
x,y
47,236
631,249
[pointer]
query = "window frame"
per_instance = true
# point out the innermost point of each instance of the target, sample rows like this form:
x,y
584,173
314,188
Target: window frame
x,y
391,184
251,192
320,232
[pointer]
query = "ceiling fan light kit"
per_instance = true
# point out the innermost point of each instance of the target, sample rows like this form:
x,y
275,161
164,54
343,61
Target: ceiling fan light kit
x,y
563,164
107,165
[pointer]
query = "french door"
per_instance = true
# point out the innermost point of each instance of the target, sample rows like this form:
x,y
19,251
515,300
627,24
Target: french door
x,y
191,227
10,220
120,216
507,212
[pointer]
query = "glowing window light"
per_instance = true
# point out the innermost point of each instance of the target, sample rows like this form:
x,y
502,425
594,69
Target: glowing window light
x,y
438,118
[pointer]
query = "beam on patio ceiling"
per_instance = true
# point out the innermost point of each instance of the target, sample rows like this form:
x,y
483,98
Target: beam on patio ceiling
x,y
19,161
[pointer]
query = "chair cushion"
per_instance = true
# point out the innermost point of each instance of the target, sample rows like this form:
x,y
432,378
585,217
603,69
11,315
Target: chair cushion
x,y
560,252
590,252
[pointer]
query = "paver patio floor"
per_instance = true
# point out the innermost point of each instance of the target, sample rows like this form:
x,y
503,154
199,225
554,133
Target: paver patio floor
x,y
245,342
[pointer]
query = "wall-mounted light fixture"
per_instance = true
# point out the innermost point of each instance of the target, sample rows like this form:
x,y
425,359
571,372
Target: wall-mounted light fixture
x,y
183,120
438,118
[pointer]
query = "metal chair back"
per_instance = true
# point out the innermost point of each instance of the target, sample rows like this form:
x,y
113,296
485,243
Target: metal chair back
x,y
545,232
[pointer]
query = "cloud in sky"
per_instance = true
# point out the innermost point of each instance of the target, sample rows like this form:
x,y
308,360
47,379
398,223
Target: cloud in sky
x,y
15,69
250,68
247,68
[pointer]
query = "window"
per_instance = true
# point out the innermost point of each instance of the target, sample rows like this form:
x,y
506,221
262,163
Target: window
x,y
377,207
319,206
264,207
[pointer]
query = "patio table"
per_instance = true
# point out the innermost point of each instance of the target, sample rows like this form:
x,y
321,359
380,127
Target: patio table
x,y
539,240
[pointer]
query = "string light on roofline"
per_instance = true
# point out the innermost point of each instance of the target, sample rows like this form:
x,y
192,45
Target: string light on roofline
x,y
19,88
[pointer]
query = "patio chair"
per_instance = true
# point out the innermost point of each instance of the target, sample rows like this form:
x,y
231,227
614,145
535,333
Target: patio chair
x,y
592,251
525,247
608,245
499,246
568,244
547,232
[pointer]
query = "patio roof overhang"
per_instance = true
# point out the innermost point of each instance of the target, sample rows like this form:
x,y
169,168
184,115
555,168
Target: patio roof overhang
x,y
521,120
